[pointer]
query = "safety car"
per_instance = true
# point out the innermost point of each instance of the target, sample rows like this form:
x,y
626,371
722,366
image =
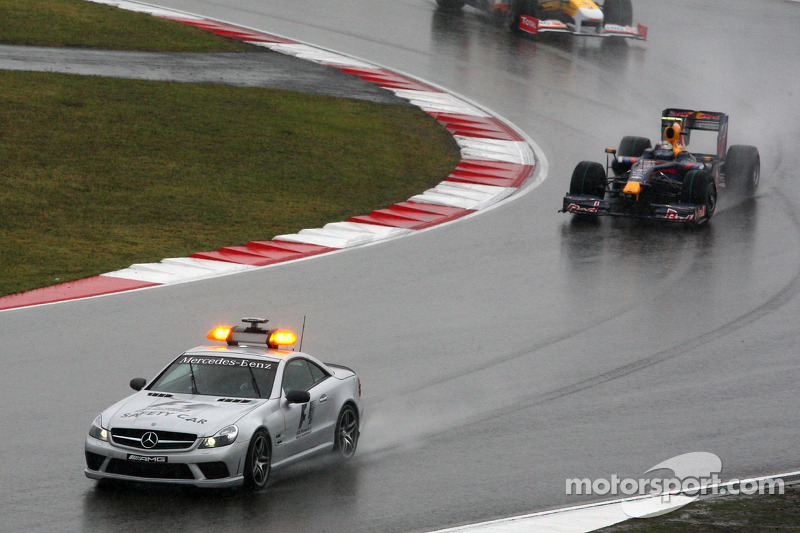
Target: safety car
x,y
611,18
665,181
227,415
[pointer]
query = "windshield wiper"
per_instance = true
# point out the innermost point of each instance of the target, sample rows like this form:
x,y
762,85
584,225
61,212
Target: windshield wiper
x,y
255,384
194,383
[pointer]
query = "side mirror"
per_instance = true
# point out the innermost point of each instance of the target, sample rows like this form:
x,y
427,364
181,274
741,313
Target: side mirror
x,y
138,383
298,396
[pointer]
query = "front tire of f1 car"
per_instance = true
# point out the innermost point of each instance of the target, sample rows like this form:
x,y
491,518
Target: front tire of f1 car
x,y
588,178
345,440
258,462
519,8
742,168
699,188
450,5
618,12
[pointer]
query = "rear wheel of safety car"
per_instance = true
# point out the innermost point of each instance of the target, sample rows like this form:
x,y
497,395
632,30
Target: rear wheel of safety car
x,y
588,178
258,462
618,12
450,5
345,440
742,168
699,188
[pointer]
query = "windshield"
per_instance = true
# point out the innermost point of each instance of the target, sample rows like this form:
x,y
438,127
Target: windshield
x,y
217,376
641,168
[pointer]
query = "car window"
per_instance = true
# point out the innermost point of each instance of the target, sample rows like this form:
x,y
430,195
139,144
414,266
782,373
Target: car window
x,y
302,374
297,376
316,372
217,376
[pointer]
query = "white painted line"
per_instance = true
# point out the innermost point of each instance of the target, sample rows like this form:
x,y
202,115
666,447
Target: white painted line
x,y
177,270
432,102
316,55
464,195
344,234
377,232
495,150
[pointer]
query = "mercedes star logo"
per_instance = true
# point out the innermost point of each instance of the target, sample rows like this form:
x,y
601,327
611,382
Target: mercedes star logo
x,y
149,439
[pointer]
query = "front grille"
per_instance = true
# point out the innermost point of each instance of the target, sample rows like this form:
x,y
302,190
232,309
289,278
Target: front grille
x,y
149,470
167,440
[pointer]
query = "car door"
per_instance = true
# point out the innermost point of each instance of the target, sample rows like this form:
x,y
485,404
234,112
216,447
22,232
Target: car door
x,y
303,418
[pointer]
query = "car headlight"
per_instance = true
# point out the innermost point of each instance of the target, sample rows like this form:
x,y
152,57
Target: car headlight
x,y
223,437
97,431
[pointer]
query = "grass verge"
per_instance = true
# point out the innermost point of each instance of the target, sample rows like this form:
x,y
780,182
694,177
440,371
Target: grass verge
x,y
85,24
99,173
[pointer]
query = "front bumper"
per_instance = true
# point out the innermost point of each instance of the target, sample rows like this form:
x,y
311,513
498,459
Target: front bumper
x,y
592,205
216,467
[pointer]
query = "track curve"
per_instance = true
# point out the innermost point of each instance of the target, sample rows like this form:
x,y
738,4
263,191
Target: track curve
x,y
499,355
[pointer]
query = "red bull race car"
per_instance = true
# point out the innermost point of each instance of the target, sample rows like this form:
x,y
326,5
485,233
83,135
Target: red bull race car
x,y
665,182
611,18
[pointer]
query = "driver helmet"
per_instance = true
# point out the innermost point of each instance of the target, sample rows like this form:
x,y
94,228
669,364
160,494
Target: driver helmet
x,y
663,152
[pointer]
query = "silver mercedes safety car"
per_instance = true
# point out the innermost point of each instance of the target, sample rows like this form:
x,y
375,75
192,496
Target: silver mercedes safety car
x,y
226,415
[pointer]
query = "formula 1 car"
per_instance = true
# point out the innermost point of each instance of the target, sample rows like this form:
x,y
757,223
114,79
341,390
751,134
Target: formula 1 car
x,y
222,416
665,182
612,18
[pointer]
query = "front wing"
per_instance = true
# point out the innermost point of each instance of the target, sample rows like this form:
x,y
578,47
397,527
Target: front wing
x,y
535,26
592,205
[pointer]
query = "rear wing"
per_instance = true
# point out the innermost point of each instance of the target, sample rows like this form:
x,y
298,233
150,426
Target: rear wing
x,y
697,120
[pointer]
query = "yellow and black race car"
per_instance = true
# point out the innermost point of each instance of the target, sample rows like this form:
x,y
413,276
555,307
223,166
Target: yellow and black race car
x,y
612,18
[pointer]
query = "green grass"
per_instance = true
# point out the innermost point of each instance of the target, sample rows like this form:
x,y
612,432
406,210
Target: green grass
x,y
99,173
84,24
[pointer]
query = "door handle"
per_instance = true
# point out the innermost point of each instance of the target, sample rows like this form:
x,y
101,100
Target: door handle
x,y
323,398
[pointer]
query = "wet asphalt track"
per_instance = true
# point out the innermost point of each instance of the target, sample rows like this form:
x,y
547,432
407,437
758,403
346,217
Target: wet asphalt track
x,y
501,354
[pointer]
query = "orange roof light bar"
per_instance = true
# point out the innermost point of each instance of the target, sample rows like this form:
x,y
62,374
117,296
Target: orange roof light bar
x,y
220,333
282,337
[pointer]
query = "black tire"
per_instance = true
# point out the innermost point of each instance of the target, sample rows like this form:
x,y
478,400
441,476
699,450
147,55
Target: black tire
x,y
632,146
618,12
629,146
699,188
258,463
450,5
588,178
742,168
519,8
345,440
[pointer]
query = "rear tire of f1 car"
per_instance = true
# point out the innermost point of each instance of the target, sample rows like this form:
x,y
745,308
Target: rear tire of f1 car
x,y
630,146
450,5
345,440
588,178
258,462
699,188
742,168
618,12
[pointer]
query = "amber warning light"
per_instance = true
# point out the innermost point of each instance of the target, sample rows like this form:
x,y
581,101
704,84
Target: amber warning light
x,y
252,334
220,333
